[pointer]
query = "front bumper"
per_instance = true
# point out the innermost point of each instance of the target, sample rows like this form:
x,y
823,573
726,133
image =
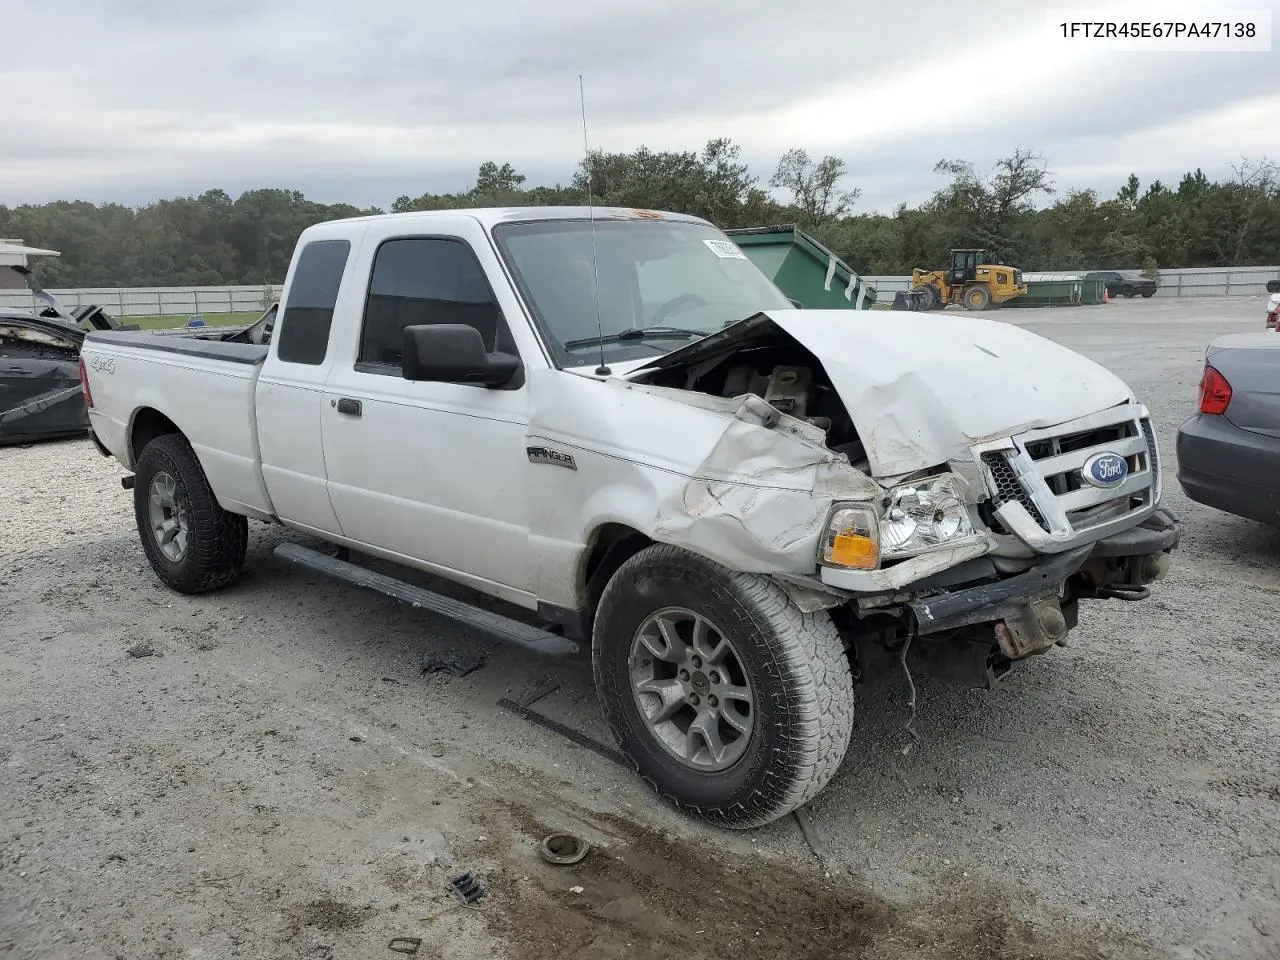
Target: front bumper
x,y
1027,608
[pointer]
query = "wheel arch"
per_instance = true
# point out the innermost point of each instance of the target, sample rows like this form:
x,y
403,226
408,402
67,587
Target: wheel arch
x,y
609,546
145,425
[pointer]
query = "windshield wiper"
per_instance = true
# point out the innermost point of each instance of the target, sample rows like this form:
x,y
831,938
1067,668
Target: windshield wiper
x,y
638,333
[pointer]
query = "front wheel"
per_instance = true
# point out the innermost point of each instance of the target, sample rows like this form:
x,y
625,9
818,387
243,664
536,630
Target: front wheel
x,y
193,545
731,703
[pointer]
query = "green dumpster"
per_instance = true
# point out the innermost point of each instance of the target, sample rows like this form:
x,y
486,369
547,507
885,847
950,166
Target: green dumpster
x,y
1093,291
1058,290
804,269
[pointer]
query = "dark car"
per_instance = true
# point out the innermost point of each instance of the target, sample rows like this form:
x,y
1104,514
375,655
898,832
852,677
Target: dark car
x,y
40,392
40,395
1229,452
1123,284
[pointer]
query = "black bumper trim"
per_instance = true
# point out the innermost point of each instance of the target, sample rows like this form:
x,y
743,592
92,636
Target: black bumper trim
x,y
1005,598
1157,533
997,600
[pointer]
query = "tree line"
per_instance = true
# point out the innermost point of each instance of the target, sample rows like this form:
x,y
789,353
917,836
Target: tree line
x,y
1013,210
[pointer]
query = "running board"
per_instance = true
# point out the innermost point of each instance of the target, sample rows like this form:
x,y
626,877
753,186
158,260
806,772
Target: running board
x,y
492,624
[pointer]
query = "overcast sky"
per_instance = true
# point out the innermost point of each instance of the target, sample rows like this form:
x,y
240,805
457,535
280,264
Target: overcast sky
x,y
135,100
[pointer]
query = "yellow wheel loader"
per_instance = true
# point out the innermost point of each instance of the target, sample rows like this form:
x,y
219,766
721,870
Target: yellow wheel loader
x,y
976,285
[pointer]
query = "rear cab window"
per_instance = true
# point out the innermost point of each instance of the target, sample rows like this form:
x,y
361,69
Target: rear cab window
x,y
302,331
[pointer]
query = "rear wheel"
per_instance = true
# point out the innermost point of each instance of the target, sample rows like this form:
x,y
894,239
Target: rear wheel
x,y
193,545
977,298
731,703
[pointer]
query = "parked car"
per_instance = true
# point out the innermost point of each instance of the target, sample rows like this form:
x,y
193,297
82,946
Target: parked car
x,y
735,505
1124,284
1273,304
1229,452
40,391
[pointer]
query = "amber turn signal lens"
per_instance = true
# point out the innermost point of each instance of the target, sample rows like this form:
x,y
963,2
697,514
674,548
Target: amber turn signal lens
x,y
853,551
852,539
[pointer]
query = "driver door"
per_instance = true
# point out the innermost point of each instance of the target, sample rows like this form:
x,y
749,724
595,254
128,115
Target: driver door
x,y
431,472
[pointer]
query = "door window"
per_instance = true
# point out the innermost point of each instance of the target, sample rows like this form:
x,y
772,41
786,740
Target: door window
x,y
425,280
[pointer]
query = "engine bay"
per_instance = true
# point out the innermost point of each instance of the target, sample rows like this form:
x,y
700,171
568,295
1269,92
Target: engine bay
x,y
787,377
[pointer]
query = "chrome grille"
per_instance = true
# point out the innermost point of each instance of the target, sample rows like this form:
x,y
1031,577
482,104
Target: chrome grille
x,y
1043,471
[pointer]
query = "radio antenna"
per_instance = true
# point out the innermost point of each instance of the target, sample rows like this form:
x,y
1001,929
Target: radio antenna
x,y
602,370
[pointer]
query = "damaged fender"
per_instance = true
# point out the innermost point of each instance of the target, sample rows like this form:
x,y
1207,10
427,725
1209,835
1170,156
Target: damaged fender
x,y
739,482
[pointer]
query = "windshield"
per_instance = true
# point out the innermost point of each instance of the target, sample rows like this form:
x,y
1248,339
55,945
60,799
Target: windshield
x,y
662,285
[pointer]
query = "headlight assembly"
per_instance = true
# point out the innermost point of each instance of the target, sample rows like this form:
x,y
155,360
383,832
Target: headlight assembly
x,y
924,516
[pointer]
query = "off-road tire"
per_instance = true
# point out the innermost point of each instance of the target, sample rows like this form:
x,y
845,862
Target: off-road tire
x,y
977,298
930,299
794,661
216,540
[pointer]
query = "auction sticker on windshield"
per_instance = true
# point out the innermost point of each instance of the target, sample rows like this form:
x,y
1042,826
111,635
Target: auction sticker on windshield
x,y
725,249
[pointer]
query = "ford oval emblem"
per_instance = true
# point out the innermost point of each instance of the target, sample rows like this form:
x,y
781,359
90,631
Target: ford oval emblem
x,y
1105,470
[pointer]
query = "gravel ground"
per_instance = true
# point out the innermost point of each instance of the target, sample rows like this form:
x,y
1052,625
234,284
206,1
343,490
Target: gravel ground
x,y
267,772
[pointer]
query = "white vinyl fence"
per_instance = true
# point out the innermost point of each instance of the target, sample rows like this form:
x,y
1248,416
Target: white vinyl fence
x,y
1216,281
183,302
177,302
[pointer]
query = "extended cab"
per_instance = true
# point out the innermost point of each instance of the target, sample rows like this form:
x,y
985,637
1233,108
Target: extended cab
x,y
612,419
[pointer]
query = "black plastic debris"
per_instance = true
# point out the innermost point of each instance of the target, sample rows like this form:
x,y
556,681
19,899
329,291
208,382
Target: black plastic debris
x,y
405,944
457,665
467,888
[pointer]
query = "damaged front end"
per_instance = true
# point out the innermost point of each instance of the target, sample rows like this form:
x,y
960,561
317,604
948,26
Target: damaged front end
x,y
973,552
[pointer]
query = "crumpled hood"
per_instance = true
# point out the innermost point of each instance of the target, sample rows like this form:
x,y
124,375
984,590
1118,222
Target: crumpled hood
x,y
922,387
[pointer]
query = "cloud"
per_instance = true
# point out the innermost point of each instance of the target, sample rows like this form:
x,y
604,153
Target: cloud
x,y
133,100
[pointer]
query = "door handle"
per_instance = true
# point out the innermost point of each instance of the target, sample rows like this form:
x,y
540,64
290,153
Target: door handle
x,y
348,406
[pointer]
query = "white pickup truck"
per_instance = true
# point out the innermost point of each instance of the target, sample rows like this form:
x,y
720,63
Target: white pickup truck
x,y
612,419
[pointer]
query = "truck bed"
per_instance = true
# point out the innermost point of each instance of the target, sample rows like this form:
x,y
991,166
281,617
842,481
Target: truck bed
x,y
191,345
202,383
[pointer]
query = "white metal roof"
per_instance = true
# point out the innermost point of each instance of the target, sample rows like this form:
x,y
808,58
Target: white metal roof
x,y
1041,277
14,253
491,216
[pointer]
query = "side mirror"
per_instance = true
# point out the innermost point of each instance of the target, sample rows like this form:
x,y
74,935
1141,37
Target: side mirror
x,y
453,353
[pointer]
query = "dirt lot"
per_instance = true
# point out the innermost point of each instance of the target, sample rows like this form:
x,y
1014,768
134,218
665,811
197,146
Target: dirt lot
x,y
267,772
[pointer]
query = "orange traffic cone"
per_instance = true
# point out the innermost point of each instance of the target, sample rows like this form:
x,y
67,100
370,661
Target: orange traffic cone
x,y
1106,297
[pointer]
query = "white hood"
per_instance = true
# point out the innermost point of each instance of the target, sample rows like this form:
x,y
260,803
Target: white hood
x,y
922,387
